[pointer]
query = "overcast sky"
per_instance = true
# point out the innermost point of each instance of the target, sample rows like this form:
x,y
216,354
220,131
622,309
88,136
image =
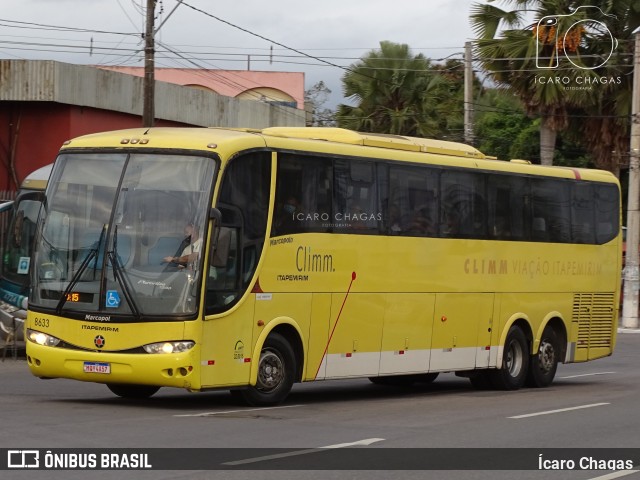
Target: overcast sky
x,y
338,31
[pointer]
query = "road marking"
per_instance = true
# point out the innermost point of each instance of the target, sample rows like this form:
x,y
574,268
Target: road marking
x,y
613,475
226,412
585,375
367,441
548,412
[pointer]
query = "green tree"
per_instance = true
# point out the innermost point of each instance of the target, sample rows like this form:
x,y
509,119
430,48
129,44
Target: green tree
x,y
546,62
509,56
503,130
603,123
499,122
314,100
450,109
393,92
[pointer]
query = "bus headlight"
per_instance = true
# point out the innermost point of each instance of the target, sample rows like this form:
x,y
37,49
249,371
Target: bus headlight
x,y
168,347
42,338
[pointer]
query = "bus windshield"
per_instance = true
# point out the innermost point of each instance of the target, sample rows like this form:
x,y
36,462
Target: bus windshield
x,y
121,234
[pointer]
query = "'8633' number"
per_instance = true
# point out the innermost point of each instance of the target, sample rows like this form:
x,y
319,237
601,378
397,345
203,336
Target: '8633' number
x,y
41,322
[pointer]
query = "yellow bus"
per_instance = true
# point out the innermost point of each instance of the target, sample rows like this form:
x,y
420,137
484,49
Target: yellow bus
x,y
314,254
22,215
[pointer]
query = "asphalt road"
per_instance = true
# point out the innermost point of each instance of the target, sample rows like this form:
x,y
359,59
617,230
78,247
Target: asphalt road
x,y
589,406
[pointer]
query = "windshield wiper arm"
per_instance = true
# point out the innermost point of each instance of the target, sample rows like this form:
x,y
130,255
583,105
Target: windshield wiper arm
x,y
120,276
83,266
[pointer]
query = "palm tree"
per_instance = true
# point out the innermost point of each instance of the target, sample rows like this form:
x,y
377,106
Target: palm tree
x,y
511,61
393,92
547,62
604,123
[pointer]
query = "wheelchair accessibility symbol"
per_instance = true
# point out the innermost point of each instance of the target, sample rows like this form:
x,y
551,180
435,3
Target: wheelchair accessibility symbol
x,y
113,299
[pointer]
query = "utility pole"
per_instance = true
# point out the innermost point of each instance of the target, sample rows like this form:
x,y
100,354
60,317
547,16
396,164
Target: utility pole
x,y
148,108
631,272
468,94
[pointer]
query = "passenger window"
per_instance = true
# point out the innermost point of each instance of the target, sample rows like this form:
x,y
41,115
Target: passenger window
x,y
303,195
413,201
463,205
356,206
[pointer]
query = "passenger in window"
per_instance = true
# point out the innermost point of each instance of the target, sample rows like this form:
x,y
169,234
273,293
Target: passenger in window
x,y
421,223
395,220
286,221
358,218
189,254
500,229
451,226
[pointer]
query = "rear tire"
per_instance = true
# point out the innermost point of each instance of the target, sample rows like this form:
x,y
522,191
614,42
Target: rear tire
x,y
276,373
543,365
132,391
515,362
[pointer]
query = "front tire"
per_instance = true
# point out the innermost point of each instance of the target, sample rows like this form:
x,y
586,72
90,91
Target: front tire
x,y
132,391
544,364
276,373
515,362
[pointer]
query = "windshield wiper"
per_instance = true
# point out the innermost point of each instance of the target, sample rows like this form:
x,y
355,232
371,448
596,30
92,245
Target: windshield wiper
x,y
83,266
120,276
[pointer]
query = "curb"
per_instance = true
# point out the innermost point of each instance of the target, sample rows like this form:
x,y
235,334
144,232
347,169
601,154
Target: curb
x,y
628,330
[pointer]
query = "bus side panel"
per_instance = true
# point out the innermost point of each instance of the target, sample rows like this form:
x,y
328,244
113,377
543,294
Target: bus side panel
x,y
461,331
535,308
278,308
318,336
594,325
354,349
406,339
590,319
227,346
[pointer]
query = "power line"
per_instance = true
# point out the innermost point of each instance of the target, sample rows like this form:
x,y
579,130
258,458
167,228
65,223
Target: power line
x,y
44,26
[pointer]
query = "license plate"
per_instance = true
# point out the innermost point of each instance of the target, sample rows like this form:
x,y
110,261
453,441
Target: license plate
x,y
97,367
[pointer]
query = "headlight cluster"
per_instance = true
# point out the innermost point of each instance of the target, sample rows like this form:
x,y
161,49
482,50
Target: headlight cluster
x,y
42,338
169,347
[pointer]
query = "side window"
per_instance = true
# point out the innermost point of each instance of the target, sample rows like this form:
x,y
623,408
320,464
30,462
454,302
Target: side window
x,y
413,201
462,205
303,195
508,201
356,202
607,207
582,213
244,204
19,239
551,210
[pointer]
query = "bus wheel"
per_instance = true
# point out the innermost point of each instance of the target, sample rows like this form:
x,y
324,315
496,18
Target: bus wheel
x,y
276,370
132,391
542,368
515,358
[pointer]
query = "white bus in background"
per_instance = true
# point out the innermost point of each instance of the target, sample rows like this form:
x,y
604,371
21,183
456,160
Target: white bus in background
x,y
16,254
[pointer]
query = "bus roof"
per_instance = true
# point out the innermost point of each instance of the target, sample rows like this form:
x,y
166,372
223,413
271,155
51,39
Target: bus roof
x,y
37,180
227,141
